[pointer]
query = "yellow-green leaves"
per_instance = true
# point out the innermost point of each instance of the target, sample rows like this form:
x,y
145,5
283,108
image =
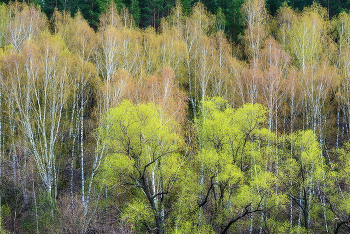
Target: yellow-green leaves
x,y
307,36
137,211
142,155
136,135
250,118
225,134
231,157
307,152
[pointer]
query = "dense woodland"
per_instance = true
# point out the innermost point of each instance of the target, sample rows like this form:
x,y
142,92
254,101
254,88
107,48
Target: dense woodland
x,y
150,12
178,126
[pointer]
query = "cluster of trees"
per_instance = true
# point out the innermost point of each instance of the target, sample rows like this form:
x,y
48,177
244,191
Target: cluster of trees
x,y
150,12
174,129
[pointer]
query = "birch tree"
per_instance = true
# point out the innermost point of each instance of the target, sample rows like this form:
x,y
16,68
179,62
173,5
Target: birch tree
x,y
26,22
255,16
38,84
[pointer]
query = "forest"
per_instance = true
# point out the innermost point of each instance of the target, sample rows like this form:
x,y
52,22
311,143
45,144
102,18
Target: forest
x,y
183,124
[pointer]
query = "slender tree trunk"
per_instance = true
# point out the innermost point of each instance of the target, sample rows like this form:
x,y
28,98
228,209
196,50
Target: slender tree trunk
x,y
291,156
202,166
72,174
36,211
305,210
82,150
300,208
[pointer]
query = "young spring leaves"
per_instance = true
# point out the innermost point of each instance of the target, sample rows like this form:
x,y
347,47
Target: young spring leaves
x,y
143,157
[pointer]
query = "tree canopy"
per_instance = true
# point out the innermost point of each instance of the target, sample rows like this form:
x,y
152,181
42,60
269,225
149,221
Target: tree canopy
x,y
174,117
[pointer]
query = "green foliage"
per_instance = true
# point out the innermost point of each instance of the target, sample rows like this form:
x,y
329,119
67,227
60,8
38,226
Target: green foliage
x,y
218,170
135,11
138,213
307,155
4,212
231,156
3,231
220,21
142,147
4,23
43,215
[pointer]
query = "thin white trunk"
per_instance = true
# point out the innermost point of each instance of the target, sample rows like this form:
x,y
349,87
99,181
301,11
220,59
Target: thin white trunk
x,y
72,126
291,158
82,151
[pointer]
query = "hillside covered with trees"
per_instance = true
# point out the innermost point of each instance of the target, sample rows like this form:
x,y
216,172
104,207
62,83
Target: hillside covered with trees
x,y
150,12
172,120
